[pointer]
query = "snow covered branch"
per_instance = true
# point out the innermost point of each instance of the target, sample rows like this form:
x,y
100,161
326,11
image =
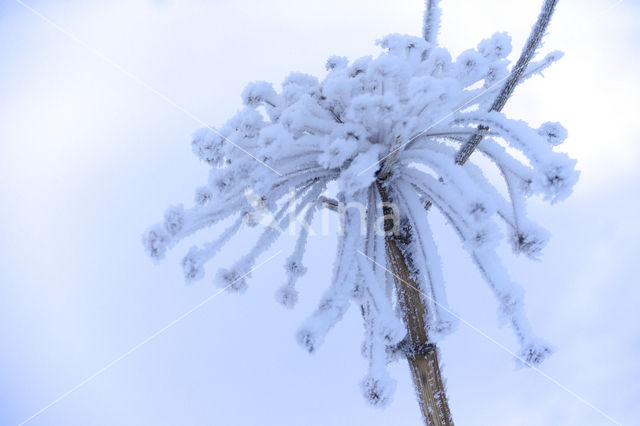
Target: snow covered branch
x,y
431,24
529,50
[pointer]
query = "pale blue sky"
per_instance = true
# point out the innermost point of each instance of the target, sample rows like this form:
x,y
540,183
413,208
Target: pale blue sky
x,y
89,158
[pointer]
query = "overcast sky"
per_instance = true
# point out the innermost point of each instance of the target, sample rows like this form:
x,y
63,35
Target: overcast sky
x,y
96,111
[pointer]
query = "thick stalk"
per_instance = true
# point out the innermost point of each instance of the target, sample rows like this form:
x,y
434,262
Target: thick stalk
x,y
421,354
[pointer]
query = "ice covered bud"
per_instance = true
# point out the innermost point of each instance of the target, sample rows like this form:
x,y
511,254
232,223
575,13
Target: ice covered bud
x,y
558,178
438,63
534,353
259,92
297,85
359,66
174,219
470,67
308,339
230,278
479,211
404,45
486,237
529,241
392,330
378,391
247,123
207,146
554,133
496,47
300,79
287,296
295,268
336,62
203,195
223,181
155,242
191,266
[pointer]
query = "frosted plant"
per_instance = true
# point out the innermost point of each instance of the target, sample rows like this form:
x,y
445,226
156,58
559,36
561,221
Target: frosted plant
x,y
390,131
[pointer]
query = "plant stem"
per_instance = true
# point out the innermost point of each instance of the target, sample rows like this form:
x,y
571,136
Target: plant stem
x,y
421,354
535,37
431,23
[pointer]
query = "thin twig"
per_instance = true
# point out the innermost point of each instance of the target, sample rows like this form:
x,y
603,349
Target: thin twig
x,y
537,32
431,22
329,203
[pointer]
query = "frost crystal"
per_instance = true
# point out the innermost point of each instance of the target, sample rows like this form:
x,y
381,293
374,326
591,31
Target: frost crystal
x,y
393,123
